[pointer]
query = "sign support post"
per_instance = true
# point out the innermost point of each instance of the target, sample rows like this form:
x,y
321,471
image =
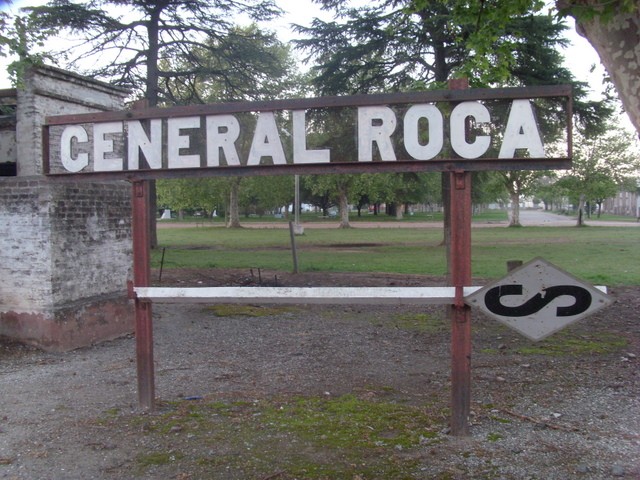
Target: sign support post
x,y
141,276
460,264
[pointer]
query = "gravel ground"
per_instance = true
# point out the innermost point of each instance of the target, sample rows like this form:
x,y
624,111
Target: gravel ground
x,y
572,413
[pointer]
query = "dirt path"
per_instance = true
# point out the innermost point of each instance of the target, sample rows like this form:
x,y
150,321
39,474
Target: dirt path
x,y
569,410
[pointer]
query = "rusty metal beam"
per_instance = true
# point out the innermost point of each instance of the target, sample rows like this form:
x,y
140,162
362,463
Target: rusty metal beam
x,y
141,278
318,102
485,164
459,269
460,264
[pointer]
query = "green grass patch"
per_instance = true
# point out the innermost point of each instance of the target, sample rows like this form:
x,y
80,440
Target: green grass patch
x,y
565,343
600,255
421,322
232,310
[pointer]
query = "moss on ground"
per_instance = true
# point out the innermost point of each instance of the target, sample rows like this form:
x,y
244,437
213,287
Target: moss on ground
x,y
567,343
421,322
342,437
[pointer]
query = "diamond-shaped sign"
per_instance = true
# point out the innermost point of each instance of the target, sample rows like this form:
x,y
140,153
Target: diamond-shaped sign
x,y
538,299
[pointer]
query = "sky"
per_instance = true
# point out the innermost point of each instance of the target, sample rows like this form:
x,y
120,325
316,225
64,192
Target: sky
x,y
580,56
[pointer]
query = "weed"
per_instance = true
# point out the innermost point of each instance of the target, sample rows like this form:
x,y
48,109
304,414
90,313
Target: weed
x,y
421,322
500,419
598,343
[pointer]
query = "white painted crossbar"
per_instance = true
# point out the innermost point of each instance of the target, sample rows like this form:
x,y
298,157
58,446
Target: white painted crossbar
x,y
302,295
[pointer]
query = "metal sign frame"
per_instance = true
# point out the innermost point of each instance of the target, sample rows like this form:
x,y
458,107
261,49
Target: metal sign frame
x,y
456,170
403,165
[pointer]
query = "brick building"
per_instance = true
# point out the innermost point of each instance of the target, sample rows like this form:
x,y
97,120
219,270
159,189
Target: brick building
x,y
65,247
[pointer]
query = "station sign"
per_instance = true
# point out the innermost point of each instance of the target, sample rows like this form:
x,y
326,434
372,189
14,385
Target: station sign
x,y
538,299
427,130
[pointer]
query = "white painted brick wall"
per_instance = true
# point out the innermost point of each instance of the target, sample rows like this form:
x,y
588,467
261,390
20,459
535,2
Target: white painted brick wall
x,y
47,92
63,246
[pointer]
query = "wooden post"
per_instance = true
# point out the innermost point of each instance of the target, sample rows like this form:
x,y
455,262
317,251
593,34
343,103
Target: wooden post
x,y
294,250
141,278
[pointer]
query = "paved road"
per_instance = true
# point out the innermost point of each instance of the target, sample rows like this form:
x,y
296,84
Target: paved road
x,y
542,218
528,218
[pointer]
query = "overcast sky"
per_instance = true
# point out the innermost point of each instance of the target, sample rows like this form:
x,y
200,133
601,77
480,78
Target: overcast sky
x,y
579,57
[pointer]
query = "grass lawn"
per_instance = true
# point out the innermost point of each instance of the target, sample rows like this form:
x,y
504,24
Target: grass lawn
x,y
601,255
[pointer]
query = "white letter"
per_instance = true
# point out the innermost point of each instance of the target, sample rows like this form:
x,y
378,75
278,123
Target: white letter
x,y
368,134
300,152
103,146
222,132
521,132
266,141
411,134
177,142
66,141
458,131
151,147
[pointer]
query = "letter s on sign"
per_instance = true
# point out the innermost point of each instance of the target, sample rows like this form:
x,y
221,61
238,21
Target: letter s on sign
x,y
70,133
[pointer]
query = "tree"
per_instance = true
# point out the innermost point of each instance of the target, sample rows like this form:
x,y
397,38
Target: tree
x,y
549,192
132,38
612,28
200,193
518,184
129,41
317,197
601,167
331,190
413,44
537,61
263,194
267,71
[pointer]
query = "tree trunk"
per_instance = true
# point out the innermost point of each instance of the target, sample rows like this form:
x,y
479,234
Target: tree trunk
x,y
399,212
616,42
580,222
343,207
152,99
233,221
515,210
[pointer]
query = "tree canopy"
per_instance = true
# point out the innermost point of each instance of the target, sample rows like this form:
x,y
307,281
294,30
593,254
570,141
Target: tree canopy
x,y
135,39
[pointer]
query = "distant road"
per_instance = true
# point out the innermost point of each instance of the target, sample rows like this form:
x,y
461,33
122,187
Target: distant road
x,y
542,218
528,218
